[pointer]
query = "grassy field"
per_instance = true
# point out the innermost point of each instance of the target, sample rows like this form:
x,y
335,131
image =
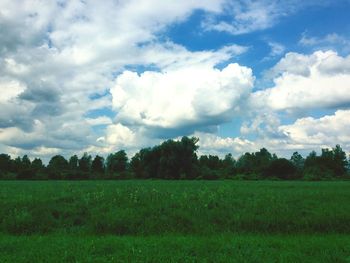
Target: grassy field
x,y
174,221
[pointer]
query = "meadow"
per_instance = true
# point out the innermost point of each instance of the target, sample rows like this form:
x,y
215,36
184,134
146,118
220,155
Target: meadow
x,y
174,221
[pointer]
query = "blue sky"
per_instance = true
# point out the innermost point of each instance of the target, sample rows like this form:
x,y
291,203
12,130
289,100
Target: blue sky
x,y
83,76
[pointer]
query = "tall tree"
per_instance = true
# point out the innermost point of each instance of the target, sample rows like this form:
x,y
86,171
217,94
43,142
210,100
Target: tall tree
x,y
73,163
229,166
340,162
117,162
297,160
58,167
281,168
85,164
24,171
169,160
97,165
5,163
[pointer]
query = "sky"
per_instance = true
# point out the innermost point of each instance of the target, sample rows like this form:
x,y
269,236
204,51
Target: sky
x,y
100,76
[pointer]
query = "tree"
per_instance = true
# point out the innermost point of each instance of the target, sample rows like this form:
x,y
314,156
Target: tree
x,y
340,161
84,165
297,160
211,167
169,160
97,165
25,162
188,157
262,160
244,164
255,164
73,163
38,169
137,165
117,162
281,168
229,166
176,159
211,161
331,163
58,167
311,160
5,164
24,171
37,164
145,163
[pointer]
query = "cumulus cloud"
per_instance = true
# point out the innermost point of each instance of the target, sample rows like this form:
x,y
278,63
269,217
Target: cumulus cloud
x,y
319,80
263,125
210,143
63,63
10,89
119,135
185,99
56,56
320,132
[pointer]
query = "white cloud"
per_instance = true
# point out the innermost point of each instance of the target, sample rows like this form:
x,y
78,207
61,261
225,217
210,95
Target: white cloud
x,y
302,135
322,132
170,56
254,15
10,89
191,97
319,80
213,144
277,49
329,41
101,120
119,135
263,125
59,59
56,56
247,16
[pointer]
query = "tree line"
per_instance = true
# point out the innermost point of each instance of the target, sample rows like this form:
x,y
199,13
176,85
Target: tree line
x,y
178,160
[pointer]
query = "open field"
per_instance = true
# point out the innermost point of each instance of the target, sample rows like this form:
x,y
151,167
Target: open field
x,y
241,221
227,248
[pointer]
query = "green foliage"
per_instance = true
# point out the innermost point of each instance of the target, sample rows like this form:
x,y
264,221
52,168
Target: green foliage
x,y
73,163
37,165
57,167
24,169
255,163
330,164
229,166
211,167
298,161
116,163
5,165
170,160
178,160
97,166
84,166
282,169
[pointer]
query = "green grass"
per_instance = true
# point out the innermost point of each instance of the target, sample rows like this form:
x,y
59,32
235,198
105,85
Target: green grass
x,y
174,207
241,248
179,221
